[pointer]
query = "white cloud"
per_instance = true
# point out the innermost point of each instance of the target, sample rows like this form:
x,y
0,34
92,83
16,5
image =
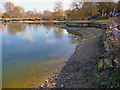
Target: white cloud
x,y
26,36
7,41
65,32
50,41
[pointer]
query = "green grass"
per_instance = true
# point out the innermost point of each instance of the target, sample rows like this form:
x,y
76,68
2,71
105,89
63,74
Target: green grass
x,y
103,21
90,21
75,33
81,21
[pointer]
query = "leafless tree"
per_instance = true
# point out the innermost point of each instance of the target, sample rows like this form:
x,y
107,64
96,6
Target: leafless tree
x,y
1,13
9,7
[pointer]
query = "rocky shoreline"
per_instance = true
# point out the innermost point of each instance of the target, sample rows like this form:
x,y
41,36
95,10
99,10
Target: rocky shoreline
x,y
83,69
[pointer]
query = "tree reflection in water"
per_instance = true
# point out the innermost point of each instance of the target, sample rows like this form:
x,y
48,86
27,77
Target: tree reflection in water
x,y
13,28
2,27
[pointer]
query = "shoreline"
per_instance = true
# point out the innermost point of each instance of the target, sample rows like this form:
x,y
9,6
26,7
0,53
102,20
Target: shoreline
x,y
63,72
33,22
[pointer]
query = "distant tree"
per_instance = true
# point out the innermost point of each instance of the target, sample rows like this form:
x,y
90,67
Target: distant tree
x,y
30,14
105,8
9,7
76,5
47,15
1,13
59,13
37,14
81,11
19,12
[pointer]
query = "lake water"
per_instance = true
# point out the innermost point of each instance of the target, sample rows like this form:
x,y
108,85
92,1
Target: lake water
x,y
31,52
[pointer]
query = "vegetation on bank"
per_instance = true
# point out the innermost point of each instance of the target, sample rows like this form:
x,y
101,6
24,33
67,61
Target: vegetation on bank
x,y
78,11
106,21
107,64
103,21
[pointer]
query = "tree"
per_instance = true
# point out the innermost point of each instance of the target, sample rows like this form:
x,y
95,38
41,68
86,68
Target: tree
x,y
47,15
59,13
1,13
105,8
76,5
19,11
30,14
37,14
83,10
9,7
118,6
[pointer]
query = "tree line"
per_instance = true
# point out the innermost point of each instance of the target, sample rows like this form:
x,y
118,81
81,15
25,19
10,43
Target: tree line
x,y
12,11
78,11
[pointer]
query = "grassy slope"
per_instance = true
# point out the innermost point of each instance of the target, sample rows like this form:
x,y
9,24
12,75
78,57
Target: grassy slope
x,y
96,21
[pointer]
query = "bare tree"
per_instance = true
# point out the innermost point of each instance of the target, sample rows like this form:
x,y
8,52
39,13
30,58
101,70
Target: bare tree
x,y
47,15
19,12
9,7
59,13
58,6
76,5
37,14
1,13
30,14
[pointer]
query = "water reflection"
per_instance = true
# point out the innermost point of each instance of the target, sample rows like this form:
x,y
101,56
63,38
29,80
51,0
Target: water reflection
x,y
2,27
16,27
27,36
58,32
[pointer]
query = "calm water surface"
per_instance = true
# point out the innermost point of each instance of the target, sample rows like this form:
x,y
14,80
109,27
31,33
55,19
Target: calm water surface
x,y
30,52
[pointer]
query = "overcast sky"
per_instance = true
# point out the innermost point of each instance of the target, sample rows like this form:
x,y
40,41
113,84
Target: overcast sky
x,y
39,5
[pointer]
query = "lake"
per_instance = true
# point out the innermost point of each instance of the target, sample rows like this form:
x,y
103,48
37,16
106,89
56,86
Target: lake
x,y
31,52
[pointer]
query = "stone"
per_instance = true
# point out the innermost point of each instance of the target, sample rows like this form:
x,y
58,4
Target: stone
x,y
107,63
61,85
100,64
117,61
107,48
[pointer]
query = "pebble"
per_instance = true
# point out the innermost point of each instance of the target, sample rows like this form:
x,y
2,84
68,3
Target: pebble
x,y
111,86
61,85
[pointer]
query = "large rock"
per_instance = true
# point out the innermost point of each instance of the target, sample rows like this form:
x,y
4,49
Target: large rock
x,y
117,61
107,48
100,64
107,63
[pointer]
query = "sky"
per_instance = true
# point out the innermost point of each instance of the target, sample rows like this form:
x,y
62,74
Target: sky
x,y
39,5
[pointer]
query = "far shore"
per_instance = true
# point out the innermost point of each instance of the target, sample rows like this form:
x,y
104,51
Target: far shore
x,y
34,21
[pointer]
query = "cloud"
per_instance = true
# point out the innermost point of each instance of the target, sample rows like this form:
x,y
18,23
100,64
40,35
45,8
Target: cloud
x,y
65,32
7,41
50,41
67,4
27,36
46,35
